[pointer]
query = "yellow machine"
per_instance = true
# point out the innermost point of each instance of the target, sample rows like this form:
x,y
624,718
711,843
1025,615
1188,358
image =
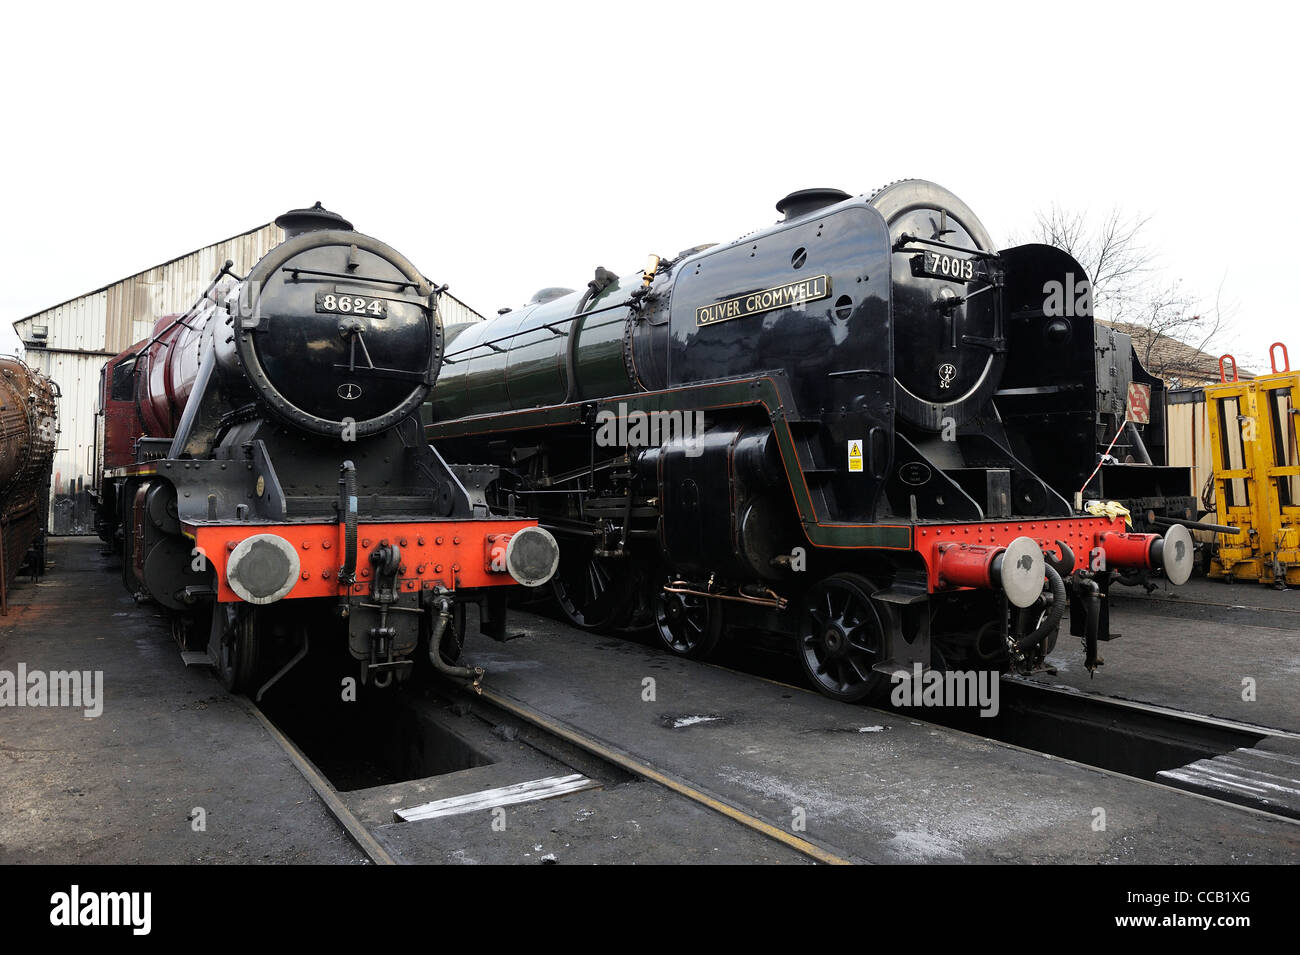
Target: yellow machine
x,y
1256,472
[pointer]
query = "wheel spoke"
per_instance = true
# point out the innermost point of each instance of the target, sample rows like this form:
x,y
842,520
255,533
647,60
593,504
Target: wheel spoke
x,y
857,641
841,665
594,589
853,665
853,615
863,650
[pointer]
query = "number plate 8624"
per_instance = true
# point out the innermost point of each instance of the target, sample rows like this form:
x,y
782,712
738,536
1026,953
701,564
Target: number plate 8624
x,y
336,304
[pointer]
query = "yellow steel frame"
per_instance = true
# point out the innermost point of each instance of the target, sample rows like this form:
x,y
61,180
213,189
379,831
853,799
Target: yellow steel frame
x,y
1277,401
1257,477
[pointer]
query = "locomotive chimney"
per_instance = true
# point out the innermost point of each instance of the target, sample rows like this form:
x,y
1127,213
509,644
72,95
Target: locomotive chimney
x,y
295,222
804,201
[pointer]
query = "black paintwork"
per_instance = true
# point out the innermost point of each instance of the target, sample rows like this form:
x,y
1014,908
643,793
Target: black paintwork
x,y
969,402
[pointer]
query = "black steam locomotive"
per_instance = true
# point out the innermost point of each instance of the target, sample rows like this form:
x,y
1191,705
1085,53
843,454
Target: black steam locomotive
x,y
819,429
277,490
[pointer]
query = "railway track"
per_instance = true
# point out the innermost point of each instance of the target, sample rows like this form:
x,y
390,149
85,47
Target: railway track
x,y
1220,760
1253,766
329,795
1138,600
551,739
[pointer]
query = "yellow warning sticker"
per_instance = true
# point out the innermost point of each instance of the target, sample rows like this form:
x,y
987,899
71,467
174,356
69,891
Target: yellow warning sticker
x,y
855,454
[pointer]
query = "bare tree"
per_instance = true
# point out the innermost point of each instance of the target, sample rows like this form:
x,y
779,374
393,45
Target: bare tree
x,y
1111,253
1173,330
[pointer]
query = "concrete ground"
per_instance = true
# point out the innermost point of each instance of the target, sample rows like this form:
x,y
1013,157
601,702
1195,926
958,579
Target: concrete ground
x,y
626,820
1192,647
868,784
122,787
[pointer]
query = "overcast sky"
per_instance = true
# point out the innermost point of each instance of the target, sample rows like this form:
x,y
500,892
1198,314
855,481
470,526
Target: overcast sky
x,y
507,147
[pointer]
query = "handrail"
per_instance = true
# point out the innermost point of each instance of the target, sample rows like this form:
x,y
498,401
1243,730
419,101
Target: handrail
x,y
1272,357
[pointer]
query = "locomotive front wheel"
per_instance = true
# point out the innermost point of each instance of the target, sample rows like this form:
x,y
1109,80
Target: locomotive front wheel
x,y
237,653
688,625
593,592
841,638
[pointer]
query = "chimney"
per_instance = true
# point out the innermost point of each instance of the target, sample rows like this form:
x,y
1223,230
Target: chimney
x,y
809,200
295,222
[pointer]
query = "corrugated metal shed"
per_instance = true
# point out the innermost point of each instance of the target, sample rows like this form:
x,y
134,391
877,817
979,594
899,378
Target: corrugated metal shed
x,y
456,312
80,334
1187,429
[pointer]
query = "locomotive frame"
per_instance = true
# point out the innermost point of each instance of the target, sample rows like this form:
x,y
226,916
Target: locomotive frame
x,y
855,484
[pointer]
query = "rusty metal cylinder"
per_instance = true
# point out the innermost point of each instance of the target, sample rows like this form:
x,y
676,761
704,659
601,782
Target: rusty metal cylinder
x,y
28,427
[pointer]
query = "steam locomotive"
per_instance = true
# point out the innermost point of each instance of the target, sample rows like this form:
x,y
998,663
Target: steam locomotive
x,y
265,476
820,429
28,427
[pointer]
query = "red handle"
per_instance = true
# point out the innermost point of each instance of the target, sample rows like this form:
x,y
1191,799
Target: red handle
x,y
1223,377
1272,357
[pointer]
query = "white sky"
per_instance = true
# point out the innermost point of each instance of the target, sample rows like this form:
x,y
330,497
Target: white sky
x,y
507,147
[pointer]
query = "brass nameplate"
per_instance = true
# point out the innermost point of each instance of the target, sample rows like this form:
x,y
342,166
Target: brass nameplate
x,y
769,299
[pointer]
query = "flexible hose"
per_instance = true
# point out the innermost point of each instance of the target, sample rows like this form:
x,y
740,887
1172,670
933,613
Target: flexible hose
x,y
1054,613
473,674
989,653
